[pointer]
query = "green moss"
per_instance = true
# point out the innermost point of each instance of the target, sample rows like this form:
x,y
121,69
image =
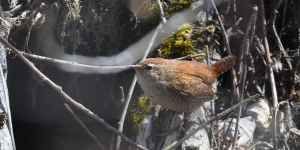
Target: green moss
x,y
177,5
179,44
170,8
138,110
185,41
188,37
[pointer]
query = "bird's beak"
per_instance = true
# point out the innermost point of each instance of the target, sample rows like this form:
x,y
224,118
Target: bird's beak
x,y
136,67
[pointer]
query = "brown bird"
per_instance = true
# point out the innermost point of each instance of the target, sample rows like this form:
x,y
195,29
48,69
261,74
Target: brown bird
x,y
179,85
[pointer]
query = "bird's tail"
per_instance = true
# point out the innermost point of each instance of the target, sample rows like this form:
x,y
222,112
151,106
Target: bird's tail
x,y
224,64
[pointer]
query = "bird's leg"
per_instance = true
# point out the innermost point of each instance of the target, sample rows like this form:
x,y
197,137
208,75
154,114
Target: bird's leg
x,y
171,130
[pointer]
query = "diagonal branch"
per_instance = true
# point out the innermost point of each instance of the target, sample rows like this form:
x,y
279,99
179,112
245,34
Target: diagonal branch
x,y
65,96
84,126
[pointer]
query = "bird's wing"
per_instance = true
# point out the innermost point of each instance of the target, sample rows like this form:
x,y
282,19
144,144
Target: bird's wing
x,y
190,87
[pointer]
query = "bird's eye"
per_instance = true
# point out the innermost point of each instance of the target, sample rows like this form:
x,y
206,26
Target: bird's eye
x,y
148,67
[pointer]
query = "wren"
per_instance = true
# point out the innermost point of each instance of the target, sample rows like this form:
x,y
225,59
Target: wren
x,y
179,85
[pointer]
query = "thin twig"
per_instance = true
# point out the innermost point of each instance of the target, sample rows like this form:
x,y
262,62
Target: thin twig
x,y
65,96
189,57
234,9
6,22
249,25
113,142
225,40
278,41
125,108
212,102
64,62
162,16
237,22
133,83
260,49
291,56
207,55
233,28
253,26
286,97
271,75
7,106
242,85
259,90
122,94
286,144
228,127
283,19
173,146
243,62
84,127
288,60
245,39
260,143
278,4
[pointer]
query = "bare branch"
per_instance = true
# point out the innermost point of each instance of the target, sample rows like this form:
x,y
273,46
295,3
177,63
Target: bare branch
x,y
65,96
84,127
64,62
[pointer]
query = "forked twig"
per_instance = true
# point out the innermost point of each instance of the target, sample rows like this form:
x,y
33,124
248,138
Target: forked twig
x,y
84,127
65,96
